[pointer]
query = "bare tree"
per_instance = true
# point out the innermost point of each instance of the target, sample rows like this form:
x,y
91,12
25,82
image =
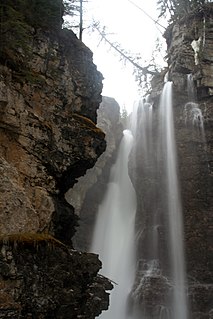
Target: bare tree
x,y
81,20
75,8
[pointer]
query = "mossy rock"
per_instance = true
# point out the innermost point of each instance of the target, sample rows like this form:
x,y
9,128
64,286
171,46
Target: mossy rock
x,y
86,123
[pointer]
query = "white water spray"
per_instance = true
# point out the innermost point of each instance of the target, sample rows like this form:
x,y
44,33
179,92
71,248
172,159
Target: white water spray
x,y
192,113
179,302
191,88
114,232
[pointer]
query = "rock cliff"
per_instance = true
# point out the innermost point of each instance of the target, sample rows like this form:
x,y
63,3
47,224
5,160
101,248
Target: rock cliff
x,y
42,278
48,131
48,138
189,59
88,193
195,152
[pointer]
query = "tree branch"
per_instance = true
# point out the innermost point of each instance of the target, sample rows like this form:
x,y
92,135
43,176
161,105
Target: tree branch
x,y
144,70
155,21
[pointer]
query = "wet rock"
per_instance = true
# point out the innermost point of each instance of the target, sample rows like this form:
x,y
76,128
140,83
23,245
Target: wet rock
x,y
42,278
48,138
87,194
194,151
47,123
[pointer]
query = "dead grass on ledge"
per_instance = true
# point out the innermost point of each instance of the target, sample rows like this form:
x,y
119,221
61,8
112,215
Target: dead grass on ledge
x,y
33,239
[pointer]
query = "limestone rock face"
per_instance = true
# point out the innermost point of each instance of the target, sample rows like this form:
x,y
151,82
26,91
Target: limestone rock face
x,y
53,282
48,138
189,45
87,194
194,145
195,156
193,133
47,122
14,202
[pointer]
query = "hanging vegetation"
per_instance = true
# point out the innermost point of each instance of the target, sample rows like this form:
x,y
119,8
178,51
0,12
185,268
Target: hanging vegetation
x,y
178,9
19,20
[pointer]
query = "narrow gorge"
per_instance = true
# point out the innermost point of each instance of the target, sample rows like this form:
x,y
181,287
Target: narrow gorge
x,y
156,292
76,177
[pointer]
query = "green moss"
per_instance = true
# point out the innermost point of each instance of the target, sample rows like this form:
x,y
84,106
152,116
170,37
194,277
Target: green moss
x,y
18,21
88,124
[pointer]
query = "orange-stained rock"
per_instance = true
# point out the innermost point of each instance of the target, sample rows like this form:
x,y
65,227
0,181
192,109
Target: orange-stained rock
x,y
48,135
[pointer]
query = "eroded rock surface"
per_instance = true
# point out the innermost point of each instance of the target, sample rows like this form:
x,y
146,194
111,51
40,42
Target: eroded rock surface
x,y
48,138
48,131
41,278
193,114
87,194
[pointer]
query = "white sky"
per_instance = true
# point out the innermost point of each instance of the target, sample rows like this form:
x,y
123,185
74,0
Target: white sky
x,y
133,30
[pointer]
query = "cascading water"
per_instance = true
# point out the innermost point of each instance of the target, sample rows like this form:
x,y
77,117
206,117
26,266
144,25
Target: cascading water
x,y
174,209
159,290
191,88
159,287
192,113
114,232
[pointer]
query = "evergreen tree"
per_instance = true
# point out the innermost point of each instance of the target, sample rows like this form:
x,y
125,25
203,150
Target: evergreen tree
x,y
75,8
177,9
44,14
14,31
19,20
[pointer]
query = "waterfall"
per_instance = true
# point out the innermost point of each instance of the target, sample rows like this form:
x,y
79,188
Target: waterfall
x,y
149,272
159,290
114,232
174,208
191,88
192,113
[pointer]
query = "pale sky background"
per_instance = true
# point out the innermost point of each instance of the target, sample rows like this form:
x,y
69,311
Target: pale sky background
x,y
135,32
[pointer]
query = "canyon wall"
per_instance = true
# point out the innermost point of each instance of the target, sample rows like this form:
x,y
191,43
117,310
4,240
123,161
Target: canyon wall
x,y
189,43
190,47
195,150
88,193
48,138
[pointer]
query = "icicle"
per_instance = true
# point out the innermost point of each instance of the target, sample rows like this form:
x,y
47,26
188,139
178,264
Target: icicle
x,y
196,47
